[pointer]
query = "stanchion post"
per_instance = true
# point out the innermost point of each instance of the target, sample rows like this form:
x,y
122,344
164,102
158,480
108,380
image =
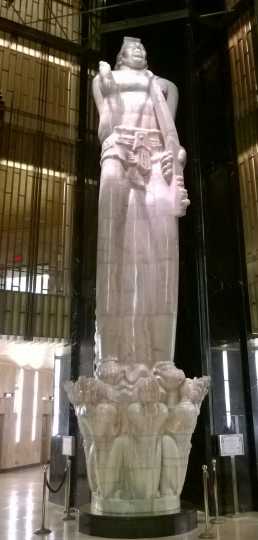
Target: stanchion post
x,y
207,533
43,530
234,486
67,510
217,519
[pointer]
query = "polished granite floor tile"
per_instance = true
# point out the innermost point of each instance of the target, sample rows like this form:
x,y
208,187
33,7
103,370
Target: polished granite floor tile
x,y
20,514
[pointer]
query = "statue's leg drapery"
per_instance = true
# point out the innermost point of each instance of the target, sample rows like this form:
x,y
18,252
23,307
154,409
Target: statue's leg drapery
x,y
137,281
113,205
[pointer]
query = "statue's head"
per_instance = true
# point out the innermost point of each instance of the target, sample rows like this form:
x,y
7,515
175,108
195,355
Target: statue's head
x,y
108,370
89,389
148,390
132,54
195,390
168,376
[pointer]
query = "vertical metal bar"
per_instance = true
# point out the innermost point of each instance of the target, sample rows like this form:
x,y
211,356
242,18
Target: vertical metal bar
x,y
217,518
234,485
6,217
44,499
205,491
215,488
43,530
67,511
207,533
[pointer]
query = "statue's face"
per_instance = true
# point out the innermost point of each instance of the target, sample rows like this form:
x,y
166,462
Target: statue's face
x,y
88,389
109,371
168,376
148,390
186,391
133,55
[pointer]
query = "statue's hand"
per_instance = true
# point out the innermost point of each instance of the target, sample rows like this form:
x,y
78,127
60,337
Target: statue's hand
x,y
180,199
166,163
131,158
181,156
104,69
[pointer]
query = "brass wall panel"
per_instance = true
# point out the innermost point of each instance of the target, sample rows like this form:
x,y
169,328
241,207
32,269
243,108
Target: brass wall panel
x,y
244,87
57,17
37,182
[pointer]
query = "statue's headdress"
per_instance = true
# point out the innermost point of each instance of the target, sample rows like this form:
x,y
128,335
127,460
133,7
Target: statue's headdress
x,y
126,40
130,39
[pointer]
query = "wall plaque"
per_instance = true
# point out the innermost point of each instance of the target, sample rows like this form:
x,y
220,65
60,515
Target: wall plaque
x,y
231,444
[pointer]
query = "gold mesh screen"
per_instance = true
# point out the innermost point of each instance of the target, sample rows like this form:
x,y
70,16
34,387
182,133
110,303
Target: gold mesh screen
x,y
244,85
40,89
57,17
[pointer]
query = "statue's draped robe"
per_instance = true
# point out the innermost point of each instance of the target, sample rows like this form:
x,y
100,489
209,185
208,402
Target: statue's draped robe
x,y
137,269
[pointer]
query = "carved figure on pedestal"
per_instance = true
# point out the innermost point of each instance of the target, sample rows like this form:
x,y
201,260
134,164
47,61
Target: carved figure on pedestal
x,y
146,418
179,429
138,413
170,380
99,423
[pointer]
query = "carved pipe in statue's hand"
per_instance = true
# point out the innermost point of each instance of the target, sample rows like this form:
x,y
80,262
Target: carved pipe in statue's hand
x,y
104,69
166,164
180,199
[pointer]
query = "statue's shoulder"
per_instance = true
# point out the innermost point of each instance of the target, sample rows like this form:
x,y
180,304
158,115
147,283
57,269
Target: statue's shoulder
x,y
167,87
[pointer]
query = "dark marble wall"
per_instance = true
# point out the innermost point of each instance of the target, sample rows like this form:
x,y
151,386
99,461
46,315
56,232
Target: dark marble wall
x,y
225,270
86,358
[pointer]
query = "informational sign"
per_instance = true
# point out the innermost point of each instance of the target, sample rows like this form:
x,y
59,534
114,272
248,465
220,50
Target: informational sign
x,y
231,444
68,445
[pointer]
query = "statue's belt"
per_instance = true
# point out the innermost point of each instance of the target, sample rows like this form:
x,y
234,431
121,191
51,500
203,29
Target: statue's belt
x,y
142,144
151,138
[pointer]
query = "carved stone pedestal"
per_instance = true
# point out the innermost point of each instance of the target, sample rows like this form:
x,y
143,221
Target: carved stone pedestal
x,y
137,526
137,425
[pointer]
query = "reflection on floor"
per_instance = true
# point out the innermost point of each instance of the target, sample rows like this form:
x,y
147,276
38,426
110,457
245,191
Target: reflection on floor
x,y
20,514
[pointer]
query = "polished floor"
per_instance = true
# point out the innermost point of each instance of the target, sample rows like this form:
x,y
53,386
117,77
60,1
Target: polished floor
x,y
20,514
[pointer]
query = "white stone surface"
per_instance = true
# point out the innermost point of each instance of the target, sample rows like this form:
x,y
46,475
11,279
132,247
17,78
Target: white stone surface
x,y
138,414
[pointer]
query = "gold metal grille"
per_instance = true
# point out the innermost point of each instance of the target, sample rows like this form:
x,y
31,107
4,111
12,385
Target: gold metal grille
x,y
37,177
244,85
57,17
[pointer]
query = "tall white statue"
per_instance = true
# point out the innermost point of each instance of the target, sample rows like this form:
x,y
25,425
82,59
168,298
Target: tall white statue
x,y
141,197
138,413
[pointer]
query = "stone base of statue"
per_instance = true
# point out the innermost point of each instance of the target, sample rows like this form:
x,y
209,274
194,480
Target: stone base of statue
x,y
169,503
138,413
137,436
138,526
